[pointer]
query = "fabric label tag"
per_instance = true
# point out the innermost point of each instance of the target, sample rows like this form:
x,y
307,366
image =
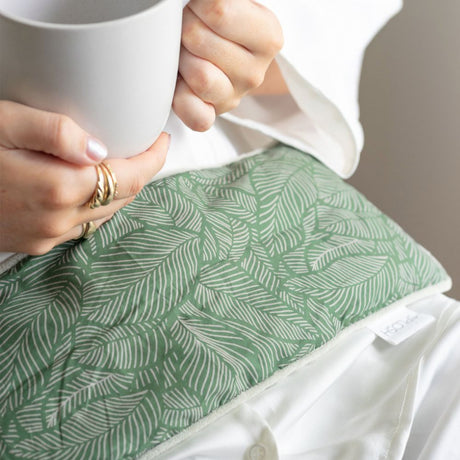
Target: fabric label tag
x,y
397,326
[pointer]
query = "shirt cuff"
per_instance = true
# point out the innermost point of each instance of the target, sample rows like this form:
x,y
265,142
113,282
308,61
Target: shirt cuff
x,y
321,63
304,119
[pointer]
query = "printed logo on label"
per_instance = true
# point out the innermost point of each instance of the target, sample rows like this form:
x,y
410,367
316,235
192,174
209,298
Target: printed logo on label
x,y
401,324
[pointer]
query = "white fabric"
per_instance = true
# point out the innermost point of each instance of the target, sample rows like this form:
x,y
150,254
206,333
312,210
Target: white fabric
x,y
363,399
366,399
321,63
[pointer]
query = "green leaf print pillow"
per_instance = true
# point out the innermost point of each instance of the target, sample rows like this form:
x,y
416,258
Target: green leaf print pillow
x,y
208,286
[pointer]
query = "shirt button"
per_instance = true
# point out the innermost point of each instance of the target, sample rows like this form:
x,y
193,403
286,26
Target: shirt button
x,y
256,452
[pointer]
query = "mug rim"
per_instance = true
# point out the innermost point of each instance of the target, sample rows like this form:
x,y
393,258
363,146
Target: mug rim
x,y
90,25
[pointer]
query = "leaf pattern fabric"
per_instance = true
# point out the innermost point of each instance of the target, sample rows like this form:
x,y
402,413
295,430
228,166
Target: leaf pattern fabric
x,y
205,286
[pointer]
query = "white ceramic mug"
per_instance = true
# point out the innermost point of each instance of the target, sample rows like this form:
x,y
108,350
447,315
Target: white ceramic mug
x,y
111,65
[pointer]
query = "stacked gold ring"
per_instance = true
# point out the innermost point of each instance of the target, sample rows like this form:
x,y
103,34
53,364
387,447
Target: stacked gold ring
x,y
88,229
104,193
106,187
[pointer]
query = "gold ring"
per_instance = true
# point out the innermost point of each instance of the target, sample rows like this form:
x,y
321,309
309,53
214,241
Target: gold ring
x,y
106,187
99,191
88,228
111,184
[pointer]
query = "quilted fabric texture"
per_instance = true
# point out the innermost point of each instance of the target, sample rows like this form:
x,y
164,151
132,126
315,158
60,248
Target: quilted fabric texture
x,y
203,287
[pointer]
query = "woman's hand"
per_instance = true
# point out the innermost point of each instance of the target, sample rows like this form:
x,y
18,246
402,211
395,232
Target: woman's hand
x,y
47,177
227,48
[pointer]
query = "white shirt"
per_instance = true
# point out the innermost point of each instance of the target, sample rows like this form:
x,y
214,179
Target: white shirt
x,y
362,399
321,62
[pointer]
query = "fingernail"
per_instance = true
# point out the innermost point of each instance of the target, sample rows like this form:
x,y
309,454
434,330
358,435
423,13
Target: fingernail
x,y
96,150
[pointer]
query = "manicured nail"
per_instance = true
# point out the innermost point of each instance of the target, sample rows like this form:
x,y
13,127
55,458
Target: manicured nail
x,y
96,150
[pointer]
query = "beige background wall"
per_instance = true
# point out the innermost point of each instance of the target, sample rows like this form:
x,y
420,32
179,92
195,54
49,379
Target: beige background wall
x,y
410,110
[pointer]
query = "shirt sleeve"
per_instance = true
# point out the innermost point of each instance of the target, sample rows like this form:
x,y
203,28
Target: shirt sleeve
x,y
321,62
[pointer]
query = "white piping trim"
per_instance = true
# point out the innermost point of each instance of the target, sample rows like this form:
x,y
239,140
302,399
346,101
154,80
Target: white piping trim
x,y
283,373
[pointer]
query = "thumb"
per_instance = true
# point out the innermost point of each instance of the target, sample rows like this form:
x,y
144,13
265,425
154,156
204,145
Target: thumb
x,y
23,127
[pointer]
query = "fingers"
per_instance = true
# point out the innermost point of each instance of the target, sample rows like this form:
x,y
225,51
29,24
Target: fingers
x,y
193,111
77,232
41,246
24,127
132,175
85,214
227,48
233,59
137,171
242,21
45,200
207,82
